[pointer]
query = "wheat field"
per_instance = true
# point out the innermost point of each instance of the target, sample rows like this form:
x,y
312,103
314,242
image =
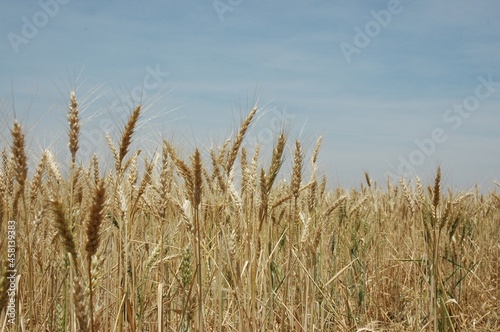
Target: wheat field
x,y
221,239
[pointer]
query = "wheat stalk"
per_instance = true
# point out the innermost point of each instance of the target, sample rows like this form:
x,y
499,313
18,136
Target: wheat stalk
x,y
94,222
20,167
196,200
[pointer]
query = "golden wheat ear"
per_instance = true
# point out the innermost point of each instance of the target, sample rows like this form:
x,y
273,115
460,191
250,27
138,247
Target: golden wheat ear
x,y
62,227
95,219
198,181
74,126
276,161
297,170
127,134
19,154
233,153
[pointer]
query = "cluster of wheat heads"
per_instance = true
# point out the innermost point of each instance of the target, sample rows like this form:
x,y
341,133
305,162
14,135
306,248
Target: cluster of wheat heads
x,y
215,240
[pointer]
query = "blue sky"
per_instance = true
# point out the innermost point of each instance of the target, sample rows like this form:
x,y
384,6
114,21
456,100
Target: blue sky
x,y
393,87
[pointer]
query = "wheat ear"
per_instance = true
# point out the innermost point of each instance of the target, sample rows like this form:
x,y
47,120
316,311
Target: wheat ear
x,y
95,218
127,134
368,180
197,171
436,193
19,155
184,170
239,139
216,173
74,126
297,170
276,162
36,181
61,225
